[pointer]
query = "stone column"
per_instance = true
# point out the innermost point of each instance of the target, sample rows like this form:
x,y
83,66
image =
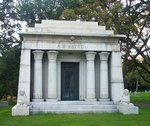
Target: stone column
x,y
104,75
37,88
52,77
90,79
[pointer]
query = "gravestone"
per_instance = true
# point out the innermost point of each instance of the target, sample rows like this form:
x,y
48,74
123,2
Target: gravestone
x,y
3,104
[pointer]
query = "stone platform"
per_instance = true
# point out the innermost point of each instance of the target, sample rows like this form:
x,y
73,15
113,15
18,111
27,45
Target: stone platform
x,y
73,107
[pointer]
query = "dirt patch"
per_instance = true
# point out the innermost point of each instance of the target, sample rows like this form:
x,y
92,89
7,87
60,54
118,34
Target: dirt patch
x,y
142,104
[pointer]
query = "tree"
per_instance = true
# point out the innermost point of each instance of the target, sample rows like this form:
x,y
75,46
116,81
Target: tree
x,y
34,11
9,24
133,80
136,28
10,47
103,12
9,71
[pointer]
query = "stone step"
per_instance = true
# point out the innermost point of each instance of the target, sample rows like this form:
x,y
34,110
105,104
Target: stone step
x,y
75,111
73,107
75,27
73,103
74,31
68,23
62,107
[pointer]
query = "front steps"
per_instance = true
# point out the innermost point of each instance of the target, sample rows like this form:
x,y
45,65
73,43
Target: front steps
x,y
73,107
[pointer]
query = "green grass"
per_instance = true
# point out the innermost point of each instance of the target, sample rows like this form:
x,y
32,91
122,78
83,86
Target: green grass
x,y
112,119
143,97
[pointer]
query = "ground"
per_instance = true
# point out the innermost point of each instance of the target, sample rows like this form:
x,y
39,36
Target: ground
x,y
113,119
143,100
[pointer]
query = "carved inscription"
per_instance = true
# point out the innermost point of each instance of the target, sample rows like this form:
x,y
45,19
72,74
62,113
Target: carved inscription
x,y
71,46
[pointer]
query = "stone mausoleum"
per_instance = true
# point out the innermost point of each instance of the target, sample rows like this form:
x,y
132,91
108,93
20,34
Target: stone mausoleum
x,y
71,67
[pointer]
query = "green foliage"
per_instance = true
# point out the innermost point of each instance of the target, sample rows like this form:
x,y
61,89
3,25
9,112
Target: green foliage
x,y
69,3
36,10
133,76
136,28
9,47
9,24
9,71
104,12
70,14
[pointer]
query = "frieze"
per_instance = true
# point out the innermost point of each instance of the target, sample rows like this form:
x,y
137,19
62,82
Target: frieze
x,y
49,45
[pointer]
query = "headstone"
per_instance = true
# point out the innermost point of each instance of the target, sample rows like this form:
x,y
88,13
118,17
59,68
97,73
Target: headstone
x,y
4,103
136,94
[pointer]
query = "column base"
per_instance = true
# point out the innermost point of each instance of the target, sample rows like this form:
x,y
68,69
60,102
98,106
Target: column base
x,y
51,100
38,100
90,99
104,99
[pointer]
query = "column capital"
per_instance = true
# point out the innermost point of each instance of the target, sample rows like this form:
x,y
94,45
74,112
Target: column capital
x,y
104,56
90,55
38,54
52,55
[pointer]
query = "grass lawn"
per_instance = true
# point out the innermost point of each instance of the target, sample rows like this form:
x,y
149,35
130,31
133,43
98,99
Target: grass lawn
x,y
113,119
143,97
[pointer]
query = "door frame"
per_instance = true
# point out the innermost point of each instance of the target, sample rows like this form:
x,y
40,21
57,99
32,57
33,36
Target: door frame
x,y
82,73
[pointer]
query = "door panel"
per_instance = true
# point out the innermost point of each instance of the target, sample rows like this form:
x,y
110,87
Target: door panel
x,y
69,81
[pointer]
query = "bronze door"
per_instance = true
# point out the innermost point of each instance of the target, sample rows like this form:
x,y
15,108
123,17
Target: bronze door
x,y
69,81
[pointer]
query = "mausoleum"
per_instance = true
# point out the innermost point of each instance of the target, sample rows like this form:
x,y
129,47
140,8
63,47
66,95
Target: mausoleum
x,y
69,67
